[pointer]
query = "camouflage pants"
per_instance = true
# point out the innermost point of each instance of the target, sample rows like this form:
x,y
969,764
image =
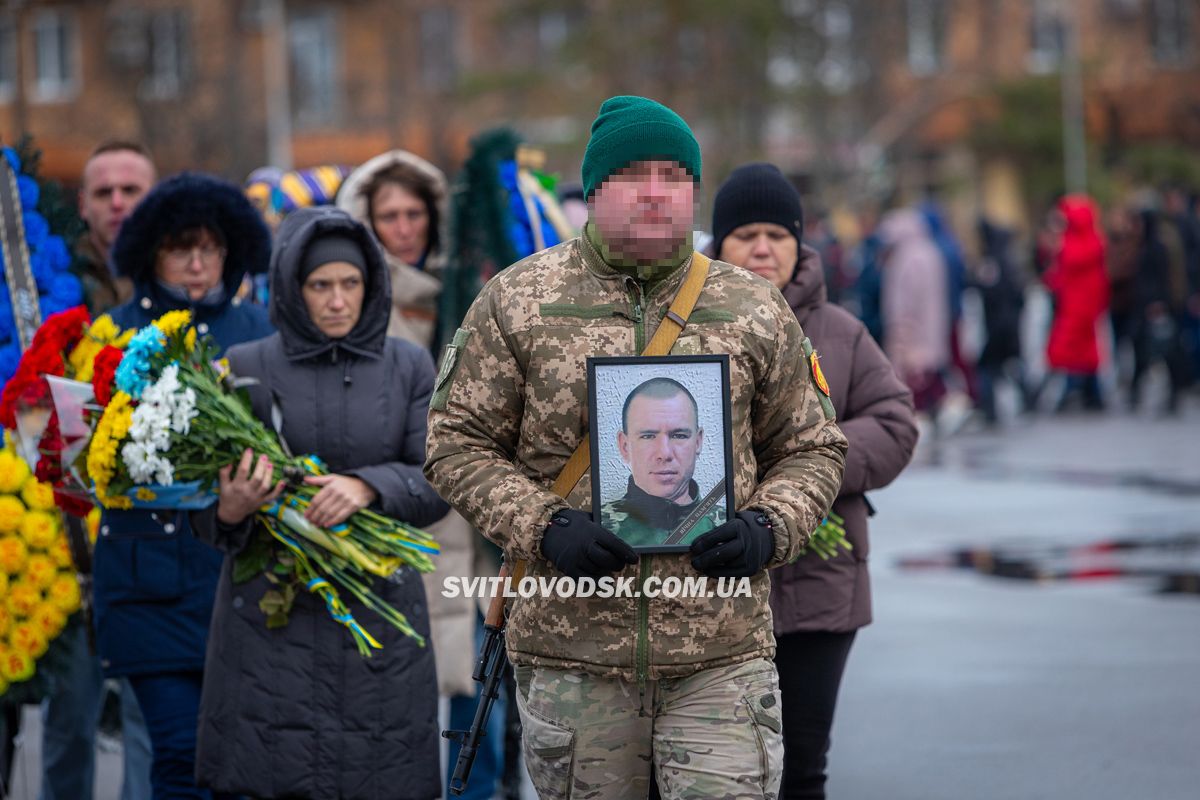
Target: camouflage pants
x,y
716,733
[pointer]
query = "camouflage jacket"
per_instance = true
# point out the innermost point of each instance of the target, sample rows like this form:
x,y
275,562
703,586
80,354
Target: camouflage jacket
x,y
642,519
510,406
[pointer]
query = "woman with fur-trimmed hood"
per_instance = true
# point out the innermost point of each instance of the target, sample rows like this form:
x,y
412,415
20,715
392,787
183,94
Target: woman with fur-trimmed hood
x,y
402,199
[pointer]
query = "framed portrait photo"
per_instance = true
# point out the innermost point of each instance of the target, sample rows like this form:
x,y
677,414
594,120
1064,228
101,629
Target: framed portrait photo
x,y
662,449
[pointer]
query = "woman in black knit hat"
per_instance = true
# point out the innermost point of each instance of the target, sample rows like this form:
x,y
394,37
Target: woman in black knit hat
x,y
818,605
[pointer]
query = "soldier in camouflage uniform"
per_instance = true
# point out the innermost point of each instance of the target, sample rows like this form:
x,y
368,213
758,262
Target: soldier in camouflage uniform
x,y
659,440
609,686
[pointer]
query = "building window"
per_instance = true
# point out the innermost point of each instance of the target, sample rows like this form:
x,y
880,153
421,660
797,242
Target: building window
x,y
165,70
439,49
1047,37
312,47
926,33
54,56
8,58
1171,32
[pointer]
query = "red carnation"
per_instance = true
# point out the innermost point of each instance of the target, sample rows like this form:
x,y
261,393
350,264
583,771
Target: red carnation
x,y
104,372
72,505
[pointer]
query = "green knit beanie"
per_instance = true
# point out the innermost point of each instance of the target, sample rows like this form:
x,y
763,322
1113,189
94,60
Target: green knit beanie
x,y
632,129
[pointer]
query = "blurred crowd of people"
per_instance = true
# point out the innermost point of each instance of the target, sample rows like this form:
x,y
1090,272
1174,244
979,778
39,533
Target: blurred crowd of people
x,y
1074,317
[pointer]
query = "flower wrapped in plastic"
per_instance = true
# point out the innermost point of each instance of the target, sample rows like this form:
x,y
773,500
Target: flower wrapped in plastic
x,y
173,421
44,403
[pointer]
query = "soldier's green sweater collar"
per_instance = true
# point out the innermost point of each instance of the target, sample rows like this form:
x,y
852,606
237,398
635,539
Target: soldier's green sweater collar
x,y
647,273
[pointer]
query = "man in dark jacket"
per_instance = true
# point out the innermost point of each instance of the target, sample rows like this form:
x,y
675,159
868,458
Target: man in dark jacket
x,y
818,605
118,174
187,246
331,724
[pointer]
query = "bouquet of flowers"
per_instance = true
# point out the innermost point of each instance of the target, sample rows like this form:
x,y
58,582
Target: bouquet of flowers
x,y
827,538
38,586
67,345
170,421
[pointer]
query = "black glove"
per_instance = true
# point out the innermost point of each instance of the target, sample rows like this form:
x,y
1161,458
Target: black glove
x,y
737,549
580,547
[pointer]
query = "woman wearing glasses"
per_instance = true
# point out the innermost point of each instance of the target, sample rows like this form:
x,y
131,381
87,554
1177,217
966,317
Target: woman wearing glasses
x,y
188,245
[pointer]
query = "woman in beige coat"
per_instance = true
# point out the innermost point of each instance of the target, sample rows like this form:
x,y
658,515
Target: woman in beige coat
x,y
402,198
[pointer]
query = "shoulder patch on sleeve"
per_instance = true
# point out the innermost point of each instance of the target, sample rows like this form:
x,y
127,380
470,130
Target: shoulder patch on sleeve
x,y
445,376
818,379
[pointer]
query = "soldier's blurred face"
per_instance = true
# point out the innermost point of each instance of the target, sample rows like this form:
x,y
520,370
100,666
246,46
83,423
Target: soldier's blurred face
x,y
401,221
765,249
660,444
645,210
113,184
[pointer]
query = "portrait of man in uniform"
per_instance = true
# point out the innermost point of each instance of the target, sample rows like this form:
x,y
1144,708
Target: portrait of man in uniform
x,y
652,494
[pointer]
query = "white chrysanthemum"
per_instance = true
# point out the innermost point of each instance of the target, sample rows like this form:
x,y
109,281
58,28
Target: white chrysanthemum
x,y
184,411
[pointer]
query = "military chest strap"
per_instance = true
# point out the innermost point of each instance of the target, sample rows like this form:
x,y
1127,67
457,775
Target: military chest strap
x,y
660,345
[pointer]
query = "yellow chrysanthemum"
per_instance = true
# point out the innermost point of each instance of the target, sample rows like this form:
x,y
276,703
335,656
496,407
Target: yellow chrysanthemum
x,y
102,451
189,340
22,599
171,322
26,637
104,329
13,472
12,512
38,495
93,523
15,666
82,358
6,620
122,341
146,495
39,529
3,587
40,571
13,554
49,620
64,593
60,551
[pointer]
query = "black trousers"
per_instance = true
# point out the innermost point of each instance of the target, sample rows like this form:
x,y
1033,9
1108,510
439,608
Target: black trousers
x,y
810,668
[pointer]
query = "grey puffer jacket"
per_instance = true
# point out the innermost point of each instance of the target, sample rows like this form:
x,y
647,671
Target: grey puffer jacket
x,y
296,712
875,412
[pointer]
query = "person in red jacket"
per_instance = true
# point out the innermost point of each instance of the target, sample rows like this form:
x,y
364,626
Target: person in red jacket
x,y
817,605
1078,281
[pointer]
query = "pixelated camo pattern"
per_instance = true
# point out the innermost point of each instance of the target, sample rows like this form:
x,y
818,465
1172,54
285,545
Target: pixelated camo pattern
x,y
511,406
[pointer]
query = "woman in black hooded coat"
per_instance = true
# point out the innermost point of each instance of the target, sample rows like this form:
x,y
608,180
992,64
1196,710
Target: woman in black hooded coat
x,y
296,712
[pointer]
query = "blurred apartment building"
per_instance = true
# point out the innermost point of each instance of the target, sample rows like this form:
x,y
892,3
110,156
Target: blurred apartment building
x,y
826,88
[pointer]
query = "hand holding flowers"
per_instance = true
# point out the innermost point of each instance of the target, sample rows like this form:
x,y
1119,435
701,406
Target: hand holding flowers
x,y
246,488
339,497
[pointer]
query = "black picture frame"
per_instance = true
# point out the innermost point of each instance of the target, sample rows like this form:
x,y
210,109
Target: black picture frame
x,y
625,507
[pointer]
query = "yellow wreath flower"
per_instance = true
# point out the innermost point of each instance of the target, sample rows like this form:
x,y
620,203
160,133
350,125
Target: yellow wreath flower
x,y
40,571
64,593
15,666
13,554
39,529
12,512
3,591
22,599
26,637
38,496
60,551
6,621
49,620
13,472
